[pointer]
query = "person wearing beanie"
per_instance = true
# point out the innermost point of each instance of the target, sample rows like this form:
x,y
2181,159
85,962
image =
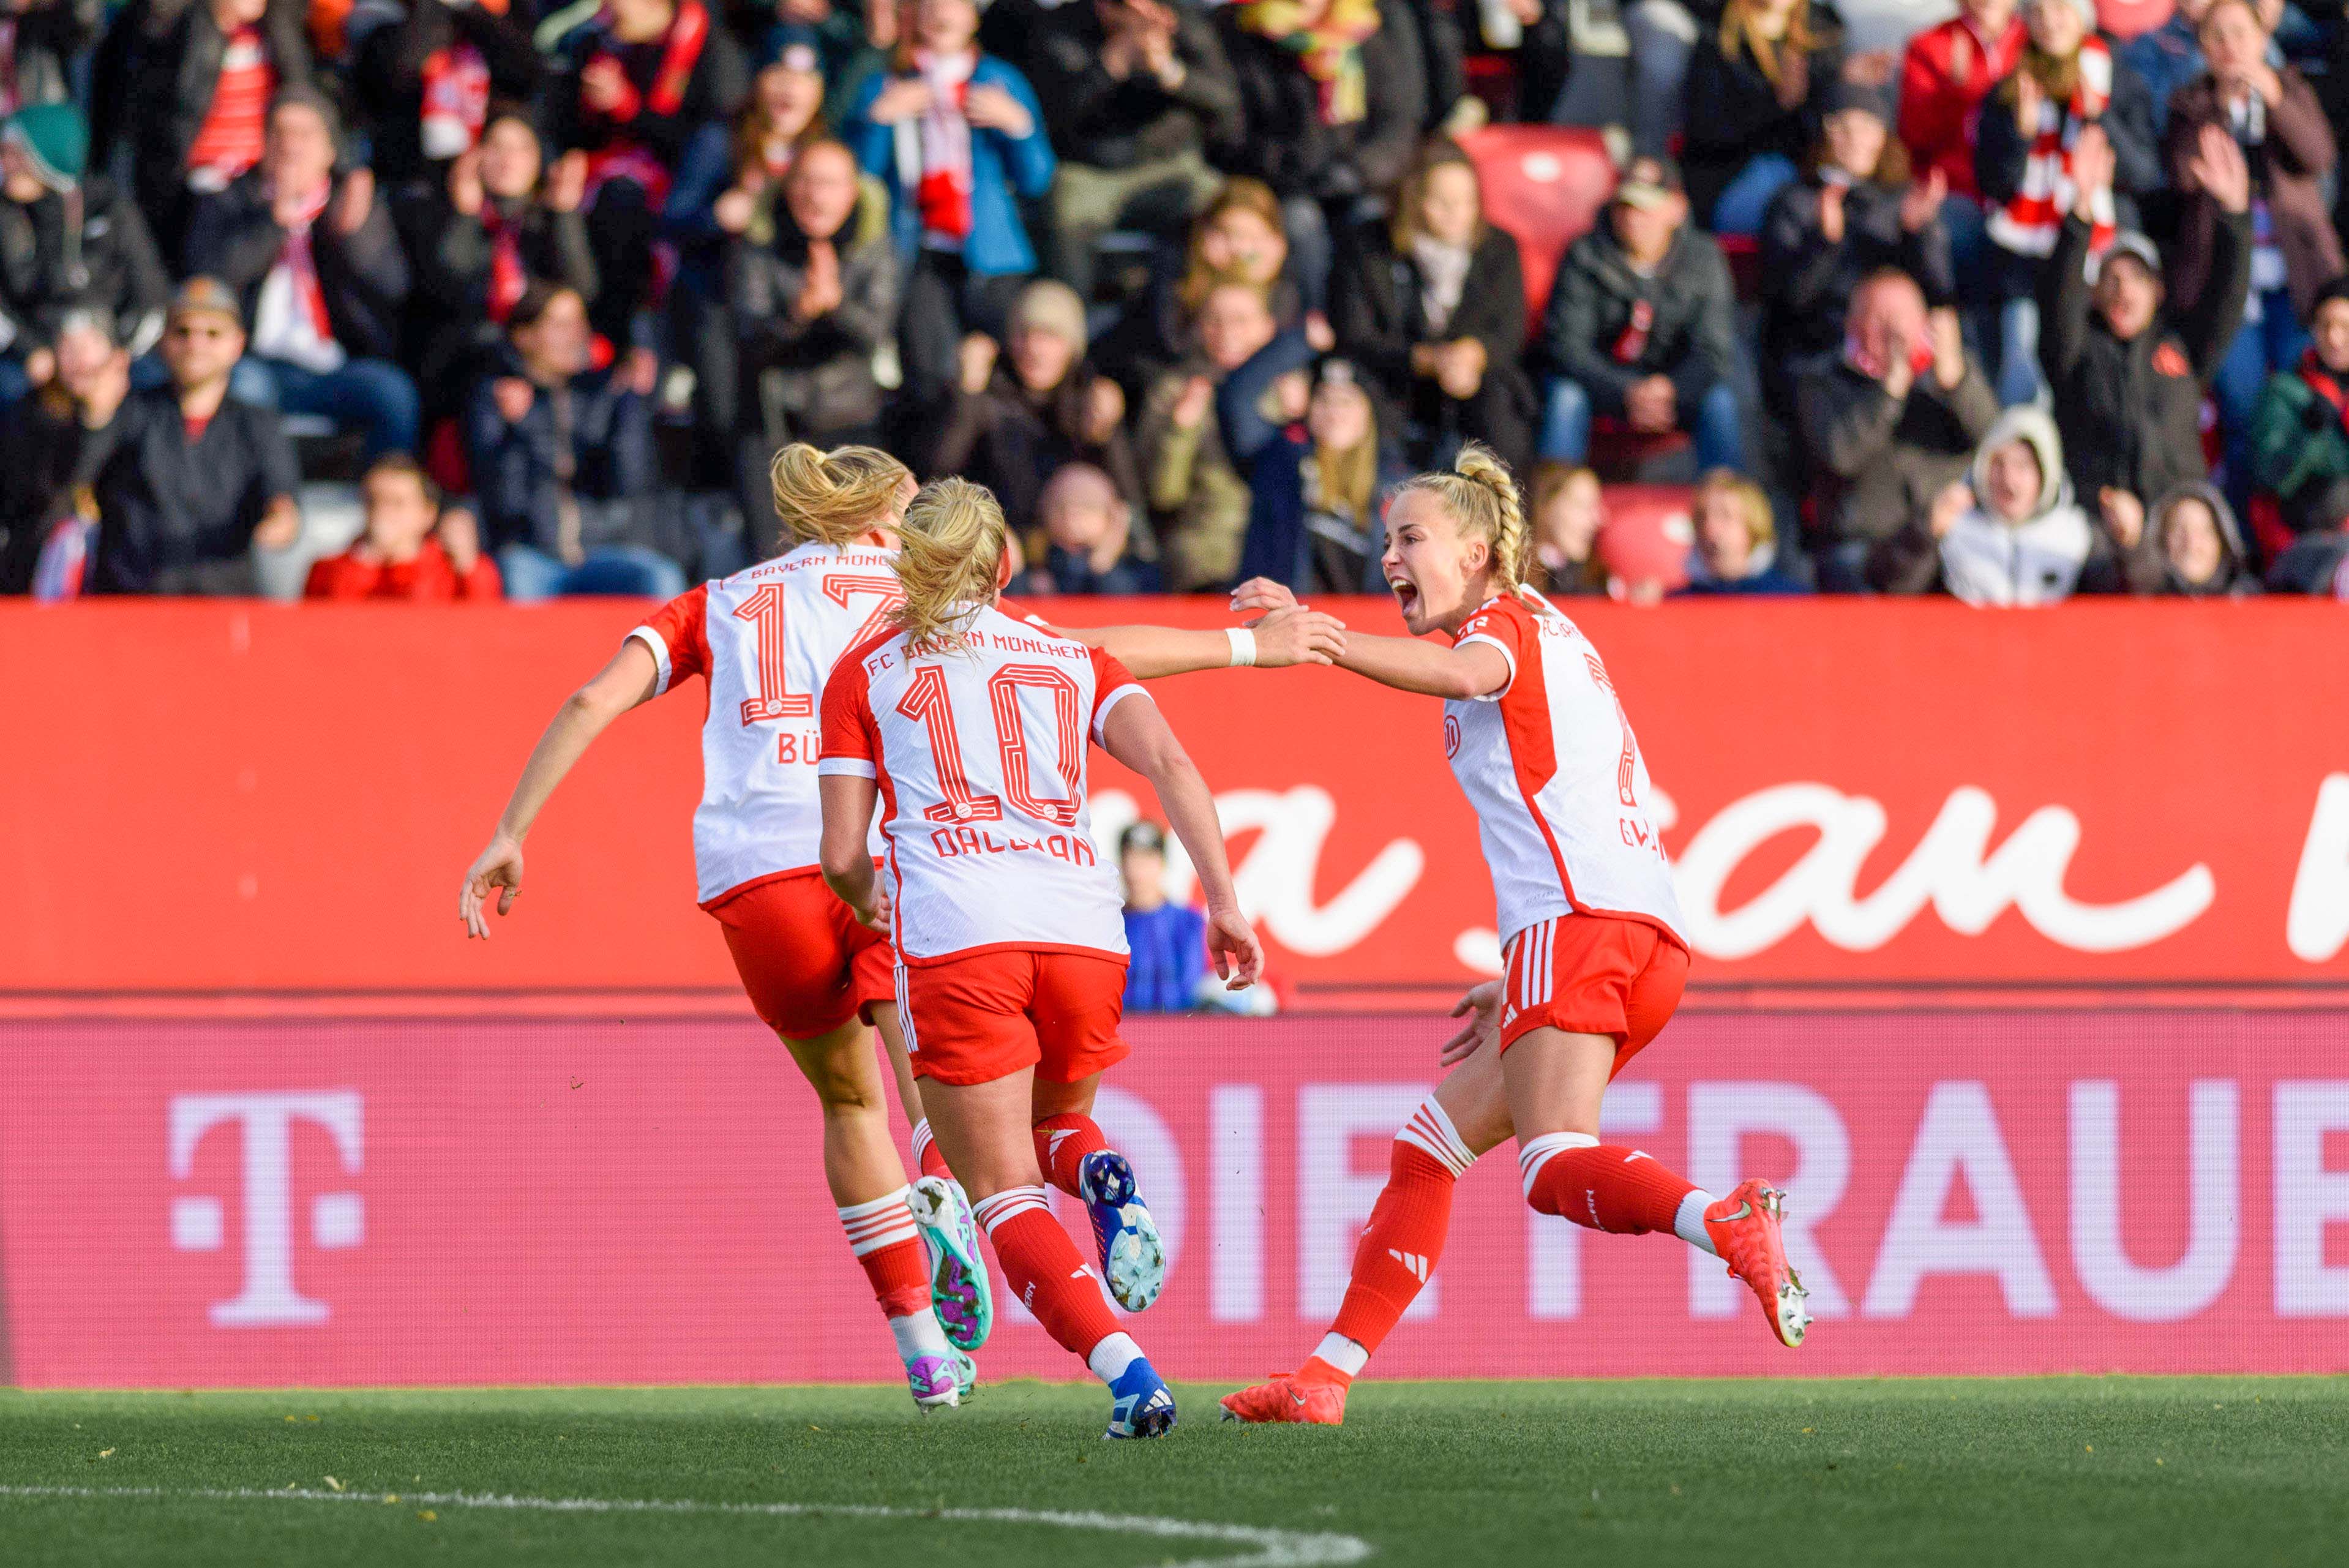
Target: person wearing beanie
x,y
2127,367
1019,415
68,242
322,277
2300,435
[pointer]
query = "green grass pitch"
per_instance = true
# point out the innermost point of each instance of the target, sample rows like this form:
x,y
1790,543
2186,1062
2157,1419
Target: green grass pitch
x,y
2136,1472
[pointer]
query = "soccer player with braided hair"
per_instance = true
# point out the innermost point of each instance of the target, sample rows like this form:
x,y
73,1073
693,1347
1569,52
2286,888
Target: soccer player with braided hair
x,y
1592,956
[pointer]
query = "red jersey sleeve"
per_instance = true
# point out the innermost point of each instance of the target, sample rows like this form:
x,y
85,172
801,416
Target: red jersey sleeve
x,y
1506,624
679,636
850,745
1112,684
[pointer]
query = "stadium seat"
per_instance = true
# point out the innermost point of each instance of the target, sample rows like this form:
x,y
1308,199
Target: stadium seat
x,y
1544,184
1646,534
2125,19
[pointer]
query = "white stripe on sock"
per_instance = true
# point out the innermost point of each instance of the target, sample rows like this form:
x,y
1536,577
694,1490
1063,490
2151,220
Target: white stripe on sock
x,y
997,1207
1533,1155
1112,1356
1342,1354
1688,1219
1431,1131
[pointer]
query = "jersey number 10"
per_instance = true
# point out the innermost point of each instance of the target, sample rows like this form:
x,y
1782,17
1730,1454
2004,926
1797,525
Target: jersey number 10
x,y
928,701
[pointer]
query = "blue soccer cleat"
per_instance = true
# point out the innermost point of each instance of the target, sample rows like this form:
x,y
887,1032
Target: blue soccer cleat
x,y
959,1288
1141,1404
1133,1258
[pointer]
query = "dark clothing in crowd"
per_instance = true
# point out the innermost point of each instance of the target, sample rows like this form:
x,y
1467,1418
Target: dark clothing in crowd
x,y
1878,460
1106,123
466,290
2131,412
392,60
1291,146
178,507
1808,279
363,276
47,457
92,253
1589,333
1013,441
1379,307
2289,167
1734,114
575,473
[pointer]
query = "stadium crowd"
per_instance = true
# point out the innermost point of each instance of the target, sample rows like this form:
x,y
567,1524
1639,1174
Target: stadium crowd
x,y
479,298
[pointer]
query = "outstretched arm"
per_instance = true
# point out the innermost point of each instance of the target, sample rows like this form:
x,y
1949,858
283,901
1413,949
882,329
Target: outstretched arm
x,y
630,678
1136,734
1405,663
1292,635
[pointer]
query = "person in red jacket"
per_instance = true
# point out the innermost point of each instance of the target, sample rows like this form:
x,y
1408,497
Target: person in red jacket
x,y
1946,73
410,550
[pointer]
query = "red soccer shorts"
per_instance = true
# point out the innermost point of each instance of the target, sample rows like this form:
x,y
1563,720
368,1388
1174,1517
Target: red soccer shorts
x,y
805,963
975,1019
1591,974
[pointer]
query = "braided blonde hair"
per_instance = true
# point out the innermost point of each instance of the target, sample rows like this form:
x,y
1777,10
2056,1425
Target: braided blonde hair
x,y
832,497
1484,500
950,553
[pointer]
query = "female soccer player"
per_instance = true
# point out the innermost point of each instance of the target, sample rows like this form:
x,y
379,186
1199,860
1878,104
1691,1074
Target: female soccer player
x,y
969,727
1593,958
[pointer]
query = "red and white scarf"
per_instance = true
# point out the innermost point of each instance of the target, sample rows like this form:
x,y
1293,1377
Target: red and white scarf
x,y
2029,224
934,150
291,321
301,261
508,278
456,99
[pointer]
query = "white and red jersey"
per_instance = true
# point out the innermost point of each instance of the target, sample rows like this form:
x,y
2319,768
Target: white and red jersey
x,y
981,753
1559,788
766,639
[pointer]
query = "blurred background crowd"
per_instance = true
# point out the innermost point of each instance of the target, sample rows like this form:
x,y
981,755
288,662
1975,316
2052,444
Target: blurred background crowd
x,y
473,299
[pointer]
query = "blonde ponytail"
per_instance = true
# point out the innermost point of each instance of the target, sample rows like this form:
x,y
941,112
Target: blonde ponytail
x,y
950,555
1484,500
832,497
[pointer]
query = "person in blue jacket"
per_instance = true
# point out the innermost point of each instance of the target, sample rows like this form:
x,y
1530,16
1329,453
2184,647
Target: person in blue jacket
x,y
1168,940
958,137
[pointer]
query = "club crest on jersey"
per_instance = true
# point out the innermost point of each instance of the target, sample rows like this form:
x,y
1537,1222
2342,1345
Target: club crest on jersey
x,y
1451,737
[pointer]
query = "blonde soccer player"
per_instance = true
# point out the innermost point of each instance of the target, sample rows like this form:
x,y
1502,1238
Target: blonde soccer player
x,y
1593,957
968,728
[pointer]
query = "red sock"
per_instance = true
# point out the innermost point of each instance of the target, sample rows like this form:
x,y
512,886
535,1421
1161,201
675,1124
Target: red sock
x,y
1605,1187
1062,1144
882,1235
925,1151
1044,1269
1400,1246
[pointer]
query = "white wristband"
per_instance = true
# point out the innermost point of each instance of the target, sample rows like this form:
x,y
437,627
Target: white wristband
x,y
1243,646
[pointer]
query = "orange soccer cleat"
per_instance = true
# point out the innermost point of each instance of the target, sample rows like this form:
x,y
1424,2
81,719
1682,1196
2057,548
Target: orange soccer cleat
x,y
1744,1230
1291,1396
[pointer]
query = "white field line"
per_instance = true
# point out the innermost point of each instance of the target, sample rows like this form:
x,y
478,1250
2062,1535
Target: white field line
x,y
1272,1548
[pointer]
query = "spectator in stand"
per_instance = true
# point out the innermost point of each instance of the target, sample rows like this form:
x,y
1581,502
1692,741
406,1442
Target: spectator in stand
x,y
814,297
54,443
504,221
45,40
424,74
193,480
1855,213
67,245
1198,500
563,460
1756,91
2315,562
1569,510
2128,375
1640,331
1887,424
727,187
2199,548
2299,437
1168,940
1431,307
1087,524
1333,101
2169,56
1237,239
2274,116
1015,423
1529,48
645,75
1318,474
188,83
959,137
1945,75
1736,542
410,550
1139,90
1662,36
322,277
2012,538
2026,143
